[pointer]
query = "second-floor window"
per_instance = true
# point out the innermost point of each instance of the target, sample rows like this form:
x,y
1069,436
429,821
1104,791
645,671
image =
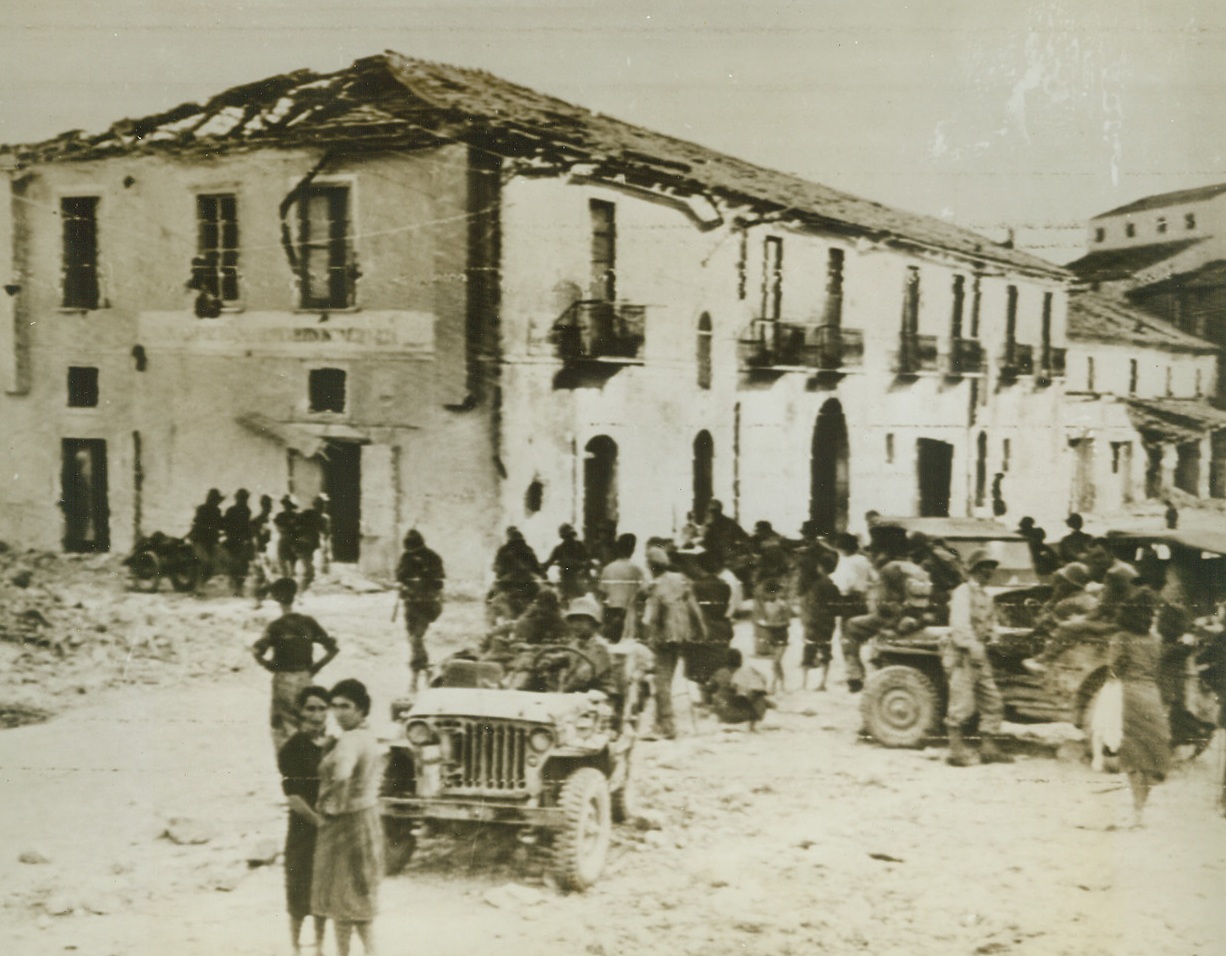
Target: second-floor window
x,y
1100,234
217,246
1089,373
1162,223
1130,229
772,278
911,301
604,251
976,301
1133,373
832,312
1189,220
1010,316
1045,332
80,258
324,253
959,302
703,357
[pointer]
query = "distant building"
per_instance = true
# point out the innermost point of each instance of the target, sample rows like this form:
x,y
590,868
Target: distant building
x,y
1136,416
454,303
1167,254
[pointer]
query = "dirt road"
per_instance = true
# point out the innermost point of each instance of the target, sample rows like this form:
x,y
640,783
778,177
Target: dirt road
x,y
799,838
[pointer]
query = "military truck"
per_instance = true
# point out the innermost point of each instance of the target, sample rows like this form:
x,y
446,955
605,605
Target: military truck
x,y
506,743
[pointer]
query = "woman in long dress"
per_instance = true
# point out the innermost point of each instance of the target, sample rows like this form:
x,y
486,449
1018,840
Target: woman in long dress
x,y
1134,655
349,846
299,761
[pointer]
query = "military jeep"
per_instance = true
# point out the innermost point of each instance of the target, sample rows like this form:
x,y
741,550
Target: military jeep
x,y
506,744
906,693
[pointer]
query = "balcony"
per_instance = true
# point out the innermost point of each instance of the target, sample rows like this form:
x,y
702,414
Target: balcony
x,y
1018,359
596,339
965,357
916,354
772,345
834,348
1052,366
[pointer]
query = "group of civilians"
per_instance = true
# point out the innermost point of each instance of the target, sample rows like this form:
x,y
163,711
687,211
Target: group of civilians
x,y
334,842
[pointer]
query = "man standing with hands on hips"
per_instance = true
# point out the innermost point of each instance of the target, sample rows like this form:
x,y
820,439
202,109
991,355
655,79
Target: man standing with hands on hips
x,y
964,655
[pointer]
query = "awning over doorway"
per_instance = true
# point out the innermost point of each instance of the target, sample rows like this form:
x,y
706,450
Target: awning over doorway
x,y
308,440
1174,419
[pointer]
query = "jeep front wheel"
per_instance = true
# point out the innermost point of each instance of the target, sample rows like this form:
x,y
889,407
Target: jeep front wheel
x,y
581,844
899,706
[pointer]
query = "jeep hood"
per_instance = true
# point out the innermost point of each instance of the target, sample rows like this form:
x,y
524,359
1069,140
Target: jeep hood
x,y
497,704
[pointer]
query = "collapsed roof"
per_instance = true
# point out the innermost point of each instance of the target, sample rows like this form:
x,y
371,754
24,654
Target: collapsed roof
x,y
1111,265
392,101
1097,317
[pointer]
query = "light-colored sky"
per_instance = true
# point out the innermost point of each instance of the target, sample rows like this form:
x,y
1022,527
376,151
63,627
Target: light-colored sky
x,y
1033,113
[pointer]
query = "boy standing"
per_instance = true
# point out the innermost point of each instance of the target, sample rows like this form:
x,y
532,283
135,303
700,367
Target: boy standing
x,y
287,650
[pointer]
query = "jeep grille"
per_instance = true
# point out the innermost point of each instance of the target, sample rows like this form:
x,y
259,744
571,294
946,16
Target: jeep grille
x,y
479,756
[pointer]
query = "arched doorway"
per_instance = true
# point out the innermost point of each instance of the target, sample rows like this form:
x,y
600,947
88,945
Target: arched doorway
x,y
600,492
704,474
829,477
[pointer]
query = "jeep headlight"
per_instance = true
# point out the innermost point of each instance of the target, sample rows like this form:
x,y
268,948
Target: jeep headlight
x,y
419,733
541,739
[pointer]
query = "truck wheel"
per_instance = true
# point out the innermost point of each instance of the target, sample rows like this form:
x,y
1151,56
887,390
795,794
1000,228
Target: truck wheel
x,y
580,846
899,706
146,571
398,845
184,572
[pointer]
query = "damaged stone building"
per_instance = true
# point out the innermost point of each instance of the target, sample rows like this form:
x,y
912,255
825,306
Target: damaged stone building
x,y
1137,417
453,303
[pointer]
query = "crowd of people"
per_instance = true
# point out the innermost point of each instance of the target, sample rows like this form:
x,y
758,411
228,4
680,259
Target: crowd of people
x,y
677,608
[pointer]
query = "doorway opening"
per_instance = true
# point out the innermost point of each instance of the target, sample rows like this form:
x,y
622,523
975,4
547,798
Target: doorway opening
x,y
935,468
83,495
829,474
704,475
600,492
1083,474
341,467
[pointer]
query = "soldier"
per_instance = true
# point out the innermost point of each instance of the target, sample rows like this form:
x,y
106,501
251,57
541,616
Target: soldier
x,y
286,523
964,655
900,600
308,535
420,575
261,536
236,529
205,536
571,558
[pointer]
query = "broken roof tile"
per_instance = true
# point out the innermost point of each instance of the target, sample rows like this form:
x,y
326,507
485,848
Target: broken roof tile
x,y
396,97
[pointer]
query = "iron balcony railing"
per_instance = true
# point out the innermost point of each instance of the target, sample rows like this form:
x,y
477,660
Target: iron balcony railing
x,y
965,356
592,329
1018,359
836,347
773,343
916,353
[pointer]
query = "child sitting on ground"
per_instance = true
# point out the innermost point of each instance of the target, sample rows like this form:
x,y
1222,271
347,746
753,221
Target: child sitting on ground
x,y
738,692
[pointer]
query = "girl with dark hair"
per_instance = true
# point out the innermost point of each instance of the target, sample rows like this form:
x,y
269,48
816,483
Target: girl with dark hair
x,y
349,847
299,761
1134,656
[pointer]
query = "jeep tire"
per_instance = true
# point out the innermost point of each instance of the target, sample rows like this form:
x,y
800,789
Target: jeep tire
x,y
899,706
582,842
